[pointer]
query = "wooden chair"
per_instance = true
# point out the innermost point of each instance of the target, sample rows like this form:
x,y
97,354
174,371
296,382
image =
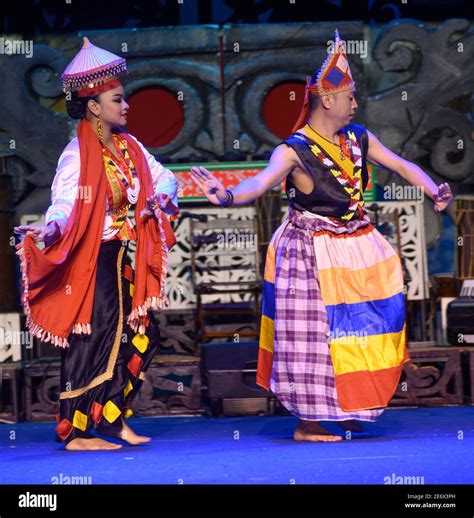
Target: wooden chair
x,y
225,264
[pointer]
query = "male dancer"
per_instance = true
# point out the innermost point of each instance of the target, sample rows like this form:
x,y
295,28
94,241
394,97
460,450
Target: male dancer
x,y
333,341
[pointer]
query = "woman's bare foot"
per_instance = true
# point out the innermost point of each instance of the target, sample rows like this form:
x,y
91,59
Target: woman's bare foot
x,y
126,434
313,432
351,425
94,443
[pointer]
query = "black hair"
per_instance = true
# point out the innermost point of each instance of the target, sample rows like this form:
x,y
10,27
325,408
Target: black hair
x,y
313,99
314,77
77,106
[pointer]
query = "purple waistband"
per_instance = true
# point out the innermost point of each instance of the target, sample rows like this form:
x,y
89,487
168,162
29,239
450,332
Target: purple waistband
x,y
300,220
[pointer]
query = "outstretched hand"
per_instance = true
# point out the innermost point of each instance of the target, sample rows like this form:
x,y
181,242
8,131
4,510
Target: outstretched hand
x,y
212,189
443,197
40,233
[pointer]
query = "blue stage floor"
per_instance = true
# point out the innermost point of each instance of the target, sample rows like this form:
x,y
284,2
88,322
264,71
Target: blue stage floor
x,y
434,443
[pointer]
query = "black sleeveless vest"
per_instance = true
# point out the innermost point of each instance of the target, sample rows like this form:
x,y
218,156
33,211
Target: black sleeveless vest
x,y
328,198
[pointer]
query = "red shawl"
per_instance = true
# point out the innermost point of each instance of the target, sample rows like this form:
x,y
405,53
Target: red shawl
x,y
58,282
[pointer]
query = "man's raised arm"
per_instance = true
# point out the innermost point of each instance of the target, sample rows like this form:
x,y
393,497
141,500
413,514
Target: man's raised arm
x,y
381,156
280,165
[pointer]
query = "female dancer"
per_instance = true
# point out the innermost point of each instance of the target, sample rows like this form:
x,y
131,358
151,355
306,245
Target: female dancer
x,y
79,288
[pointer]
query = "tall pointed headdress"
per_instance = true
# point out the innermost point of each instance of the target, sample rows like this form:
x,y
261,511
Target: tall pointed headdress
x,y
333,77
93,71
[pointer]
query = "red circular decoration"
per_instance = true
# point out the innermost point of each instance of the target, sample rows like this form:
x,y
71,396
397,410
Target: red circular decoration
x,y
281,107
155,116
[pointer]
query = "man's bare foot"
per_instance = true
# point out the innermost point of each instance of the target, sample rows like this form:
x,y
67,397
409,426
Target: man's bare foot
x,y
94,443
126,434
314,432
351,425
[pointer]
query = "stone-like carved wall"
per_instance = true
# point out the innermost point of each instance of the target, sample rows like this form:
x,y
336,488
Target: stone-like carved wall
x,y
408,56
435,76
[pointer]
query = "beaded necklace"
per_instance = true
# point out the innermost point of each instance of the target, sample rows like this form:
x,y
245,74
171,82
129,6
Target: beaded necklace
x,y
133,187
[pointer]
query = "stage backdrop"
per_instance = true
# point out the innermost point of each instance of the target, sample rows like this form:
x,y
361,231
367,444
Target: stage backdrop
x,y
203,91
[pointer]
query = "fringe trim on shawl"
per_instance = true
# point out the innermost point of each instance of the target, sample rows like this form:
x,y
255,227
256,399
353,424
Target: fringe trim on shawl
x,y
81,329
34,328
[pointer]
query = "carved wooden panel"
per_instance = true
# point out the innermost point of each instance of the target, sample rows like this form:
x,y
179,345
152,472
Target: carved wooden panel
x,y
11,407
41,390
413,244
432,378
172,385
470,373
11,338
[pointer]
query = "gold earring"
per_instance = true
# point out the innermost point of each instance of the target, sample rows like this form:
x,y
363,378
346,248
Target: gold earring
x,y
99,131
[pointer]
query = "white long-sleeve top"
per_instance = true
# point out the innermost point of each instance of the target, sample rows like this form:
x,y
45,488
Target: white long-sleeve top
x,y
64,188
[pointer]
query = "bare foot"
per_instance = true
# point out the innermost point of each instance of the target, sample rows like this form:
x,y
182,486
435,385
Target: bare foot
x,y
313,432
94,443
351,425
126,434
